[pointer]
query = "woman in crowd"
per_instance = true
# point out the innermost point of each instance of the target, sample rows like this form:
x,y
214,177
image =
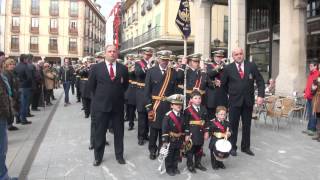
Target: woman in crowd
x,y
8,70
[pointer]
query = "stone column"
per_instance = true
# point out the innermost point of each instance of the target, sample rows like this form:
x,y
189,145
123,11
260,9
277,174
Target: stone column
x,y
292,59
202,28
237,29
61,61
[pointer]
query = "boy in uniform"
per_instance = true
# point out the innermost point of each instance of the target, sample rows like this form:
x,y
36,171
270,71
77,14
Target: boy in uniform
x,y
173,133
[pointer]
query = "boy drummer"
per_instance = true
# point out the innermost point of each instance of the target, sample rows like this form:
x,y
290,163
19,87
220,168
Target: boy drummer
x,y
218,129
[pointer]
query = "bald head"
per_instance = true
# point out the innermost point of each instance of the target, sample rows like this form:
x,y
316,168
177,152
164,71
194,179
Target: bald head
x,y
237,55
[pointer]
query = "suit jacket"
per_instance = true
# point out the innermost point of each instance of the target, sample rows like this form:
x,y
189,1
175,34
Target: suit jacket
x,y
108,95
241,91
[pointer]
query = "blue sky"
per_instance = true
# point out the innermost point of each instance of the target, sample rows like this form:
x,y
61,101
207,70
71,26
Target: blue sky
x,y
106,6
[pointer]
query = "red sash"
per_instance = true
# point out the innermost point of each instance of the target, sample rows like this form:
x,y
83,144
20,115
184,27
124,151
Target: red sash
x,y
175,121
219,125
142,64
194,115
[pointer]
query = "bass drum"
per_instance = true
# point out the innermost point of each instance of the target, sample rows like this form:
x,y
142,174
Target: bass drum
x,y
222,149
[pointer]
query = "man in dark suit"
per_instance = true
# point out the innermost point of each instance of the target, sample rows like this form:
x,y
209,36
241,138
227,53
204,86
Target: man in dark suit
x,y
108,81
238,80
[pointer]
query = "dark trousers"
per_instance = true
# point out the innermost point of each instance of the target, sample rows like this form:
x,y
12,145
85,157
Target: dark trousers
x,y
101,127
131,114
35,98
92,129
78,93
211,113
143,125
155,134
47,95
66,87
72,88
172,159
86,102
196,153
245,112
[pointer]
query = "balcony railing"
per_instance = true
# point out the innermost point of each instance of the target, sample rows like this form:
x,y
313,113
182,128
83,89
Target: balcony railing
x,y
34,47
73,31
54,12
34,30
15,10
15,29
53,48
73,50
53,31
35,11
15,47
153,33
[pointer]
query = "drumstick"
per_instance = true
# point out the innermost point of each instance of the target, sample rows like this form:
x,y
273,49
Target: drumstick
x,y
226,136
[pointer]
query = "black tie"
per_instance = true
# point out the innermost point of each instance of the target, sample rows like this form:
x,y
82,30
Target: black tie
x,y
198,109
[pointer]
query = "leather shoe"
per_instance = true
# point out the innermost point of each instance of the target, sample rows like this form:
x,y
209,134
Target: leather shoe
x,y
192,169
221,165
121,161
233,152
153,156
96,162
140,141
170,173
26,122
12,128
130,128
107,143
248,151
36,109
90,147
199,166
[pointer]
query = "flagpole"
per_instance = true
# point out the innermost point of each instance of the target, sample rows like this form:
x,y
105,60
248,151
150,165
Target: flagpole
x,y
185,73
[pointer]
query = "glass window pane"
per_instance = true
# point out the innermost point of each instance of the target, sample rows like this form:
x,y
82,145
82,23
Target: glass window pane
x,y
15,21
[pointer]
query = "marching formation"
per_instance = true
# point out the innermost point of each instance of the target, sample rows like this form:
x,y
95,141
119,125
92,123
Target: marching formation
x,y
179,101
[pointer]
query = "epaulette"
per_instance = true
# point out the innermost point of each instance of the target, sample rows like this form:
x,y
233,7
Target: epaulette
x,y
167,114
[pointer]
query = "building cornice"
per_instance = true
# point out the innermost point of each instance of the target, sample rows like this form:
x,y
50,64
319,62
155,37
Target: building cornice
x,y
93,6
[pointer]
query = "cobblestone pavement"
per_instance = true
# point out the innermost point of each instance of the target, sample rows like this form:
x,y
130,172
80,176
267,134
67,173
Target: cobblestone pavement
x,y
280,154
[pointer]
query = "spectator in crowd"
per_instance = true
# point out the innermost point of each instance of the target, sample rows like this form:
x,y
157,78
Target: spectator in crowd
x,y
41,98
66,73
271,88
313,75
8,69
25,80
32,69
5,91
37,88
49,78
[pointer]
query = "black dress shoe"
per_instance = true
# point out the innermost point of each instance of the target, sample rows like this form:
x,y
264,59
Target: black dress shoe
x,y
12,128
192,169
140,141
90,147
29,115
170,173
35,109
200,167
25,122
130,128
96,162
176,171
248,151
221,165
233,152
121,161
152,156
107,143
86,116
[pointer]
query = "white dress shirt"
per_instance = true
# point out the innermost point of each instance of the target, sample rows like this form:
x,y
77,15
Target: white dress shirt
x,y
242,66
197,108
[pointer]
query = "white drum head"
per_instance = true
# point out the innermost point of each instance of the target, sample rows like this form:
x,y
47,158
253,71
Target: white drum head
x,y
223,145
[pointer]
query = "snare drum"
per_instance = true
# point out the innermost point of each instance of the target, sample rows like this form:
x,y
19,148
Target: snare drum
x,y
222,149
